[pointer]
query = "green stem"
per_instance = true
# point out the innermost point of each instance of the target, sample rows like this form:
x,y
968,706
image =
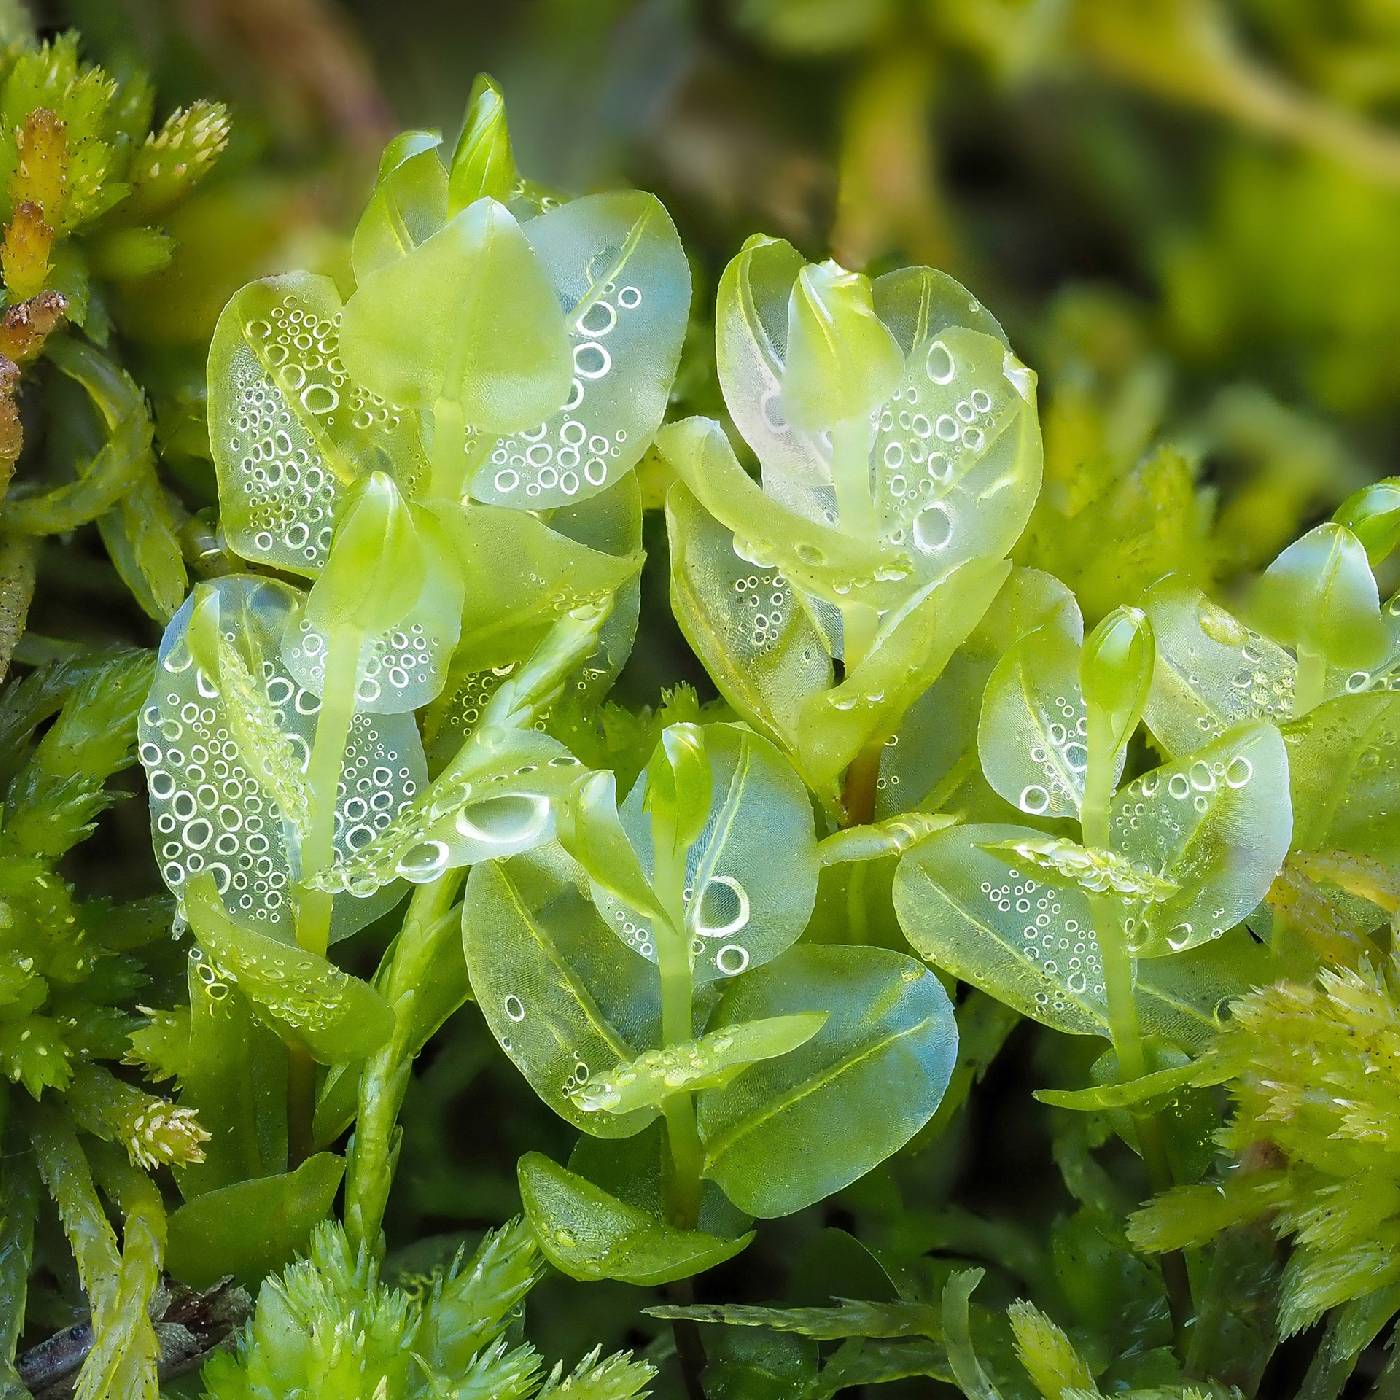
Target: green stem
x,y
428,927
860,786
1311,684
313,920
682,1133
448,457
323,779
1119,979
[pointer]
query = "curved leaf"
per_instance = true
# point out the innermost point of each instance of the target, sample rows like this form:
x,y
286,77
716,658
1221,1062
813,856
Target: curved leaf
x,y
1216,824
792,1130
707,1063
588,1234
288,429
561,995
617,266
217,766
303,995
1211,672
742,907
1033,728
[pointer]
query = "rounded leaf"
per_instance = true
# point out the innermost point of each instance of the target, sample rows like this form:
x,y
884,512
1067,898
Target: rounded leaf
x,y
616,265
470,317
589,1234
1320,595
792,1130
743,906
289,431
561,996
1211,672
225,757
1215,823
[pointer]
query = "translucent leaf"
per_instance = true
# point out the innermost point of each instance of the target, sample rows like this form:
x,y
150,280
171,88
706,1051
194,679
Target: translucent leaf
x,y
755,637
251,1228
841,362
209,809
234,1076
751,349
468,318
1344,776
391,591
1320,595
519,576
561,995
288,430
618,269
707,1063
497,799
483,163
938,735
1115,675
1216,824
1101,1097
408,206
742,907
588,1234
792,1130
1032,733
817,557
304,996
1030,943
1372,514
1026,941
1382,674
1212,672
957,455
911,648
591,831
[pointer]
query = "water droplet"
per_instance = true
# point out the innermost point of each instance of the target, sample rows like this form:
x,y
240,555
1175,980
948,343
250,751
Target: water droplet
x,y
723,908
933,527
1034,799
505,820
423,861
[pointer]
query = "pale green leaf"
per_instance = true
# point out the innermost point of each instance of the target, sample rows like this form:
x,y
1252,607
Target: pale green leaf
x,y
588,1234
209,810
469,318
288,430
1216,824
793,1130
617,267
742,907
303,995
1212,672
562,996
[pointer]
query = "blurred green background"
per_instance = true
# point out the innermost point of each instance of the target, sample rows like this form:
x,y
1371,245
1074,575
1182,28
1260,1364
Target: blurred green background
x,y
1186,213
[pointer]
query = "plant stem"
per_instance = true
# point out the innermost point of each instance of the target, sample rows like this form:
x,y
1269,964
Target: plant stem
x,y
448,457
323,779
858,791
1311,684
682,1133
1119,978
428,926
313,920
